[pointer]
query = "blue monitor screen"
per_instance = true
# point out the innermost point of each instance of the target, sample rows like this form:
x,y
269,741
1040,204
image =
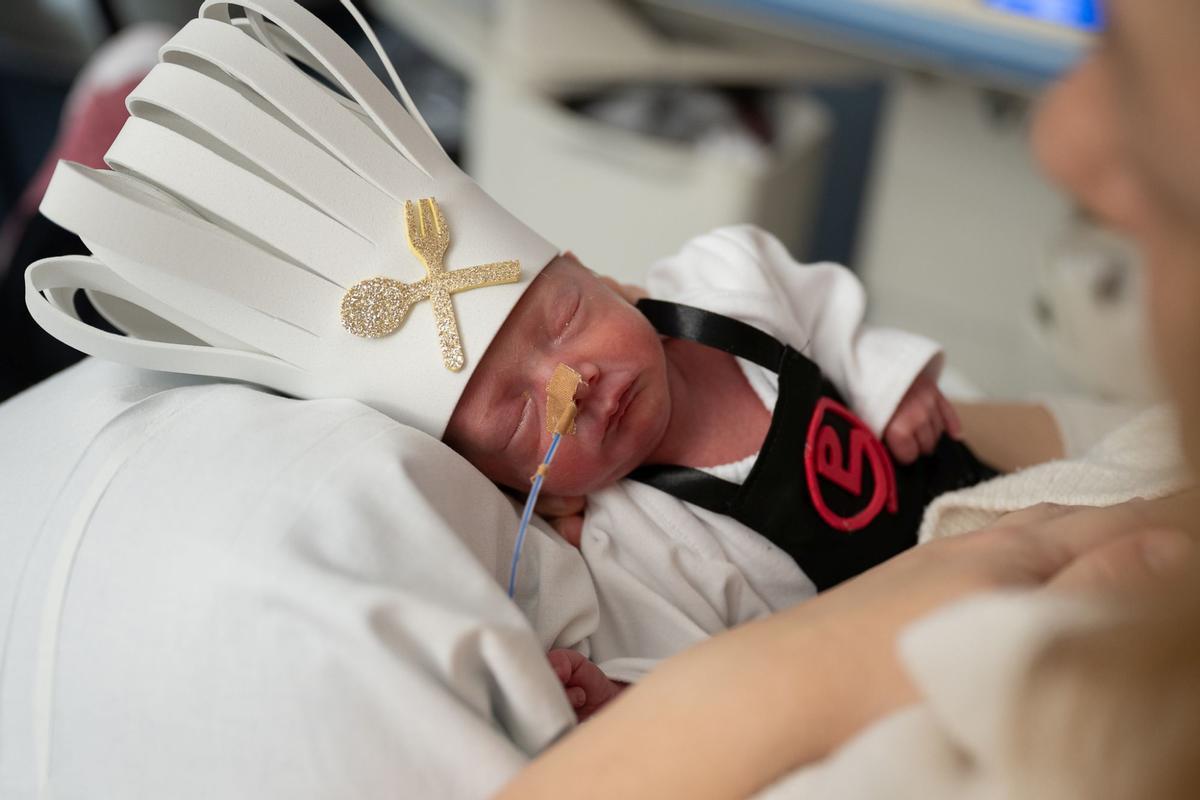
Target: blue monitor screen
x,y
1086,14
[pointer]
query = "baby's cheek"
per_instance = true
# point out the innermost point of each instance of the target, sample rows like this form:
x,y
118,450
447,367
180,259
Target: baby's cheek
x,y
570,477
572,473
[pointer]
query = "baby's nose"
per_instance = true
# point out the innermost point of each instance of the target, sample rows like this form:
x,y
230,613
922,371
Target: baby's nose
x,y
589,372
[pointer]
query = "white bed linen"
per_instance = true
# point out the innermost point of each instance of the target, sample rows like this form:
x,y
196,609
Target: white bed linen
x,y
281,598
268,598
1140,458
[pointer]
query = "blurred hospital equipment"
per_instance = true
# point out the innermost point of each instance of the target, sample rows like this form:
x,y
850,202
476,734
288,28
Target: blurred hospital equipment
x,y
620,198
959,226
55,37
574,124
958,230
1089,311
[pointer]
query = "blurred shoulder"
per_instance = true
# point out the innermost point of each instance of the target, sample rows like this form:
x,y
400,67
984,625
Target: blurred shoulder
x,y
96,407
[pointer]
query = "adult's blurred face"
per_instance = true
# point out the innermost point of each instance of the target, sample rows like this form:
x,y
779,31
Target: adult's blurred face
x,y
1122,134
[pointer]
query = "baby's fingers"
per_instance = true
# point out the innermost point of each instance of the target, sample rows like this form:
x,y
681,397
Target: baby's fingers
x,y
565,662
576,696
902,443
560,662
949,416
933,420
927,436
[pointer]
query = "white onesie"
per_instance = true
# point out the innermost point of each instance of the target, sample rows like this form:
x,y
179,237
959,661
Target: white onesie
x,y
670,574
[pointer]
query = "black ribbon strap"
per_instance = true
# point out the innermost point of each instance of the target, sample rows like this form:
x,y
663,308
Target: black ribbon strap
x,y
696,325
691,485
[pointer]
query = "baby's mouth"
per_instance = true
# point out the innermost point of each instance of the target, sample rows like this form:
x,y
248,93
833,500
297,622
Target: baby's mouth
x,y
618,413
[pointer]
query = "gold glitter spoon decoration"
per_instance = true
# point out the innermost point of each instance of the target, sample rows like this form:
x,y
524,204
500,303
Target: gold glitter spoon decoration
x,y
376,307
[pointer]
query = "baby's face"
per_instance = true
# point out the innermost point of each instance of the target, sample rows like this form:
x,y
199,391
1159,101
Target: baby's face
x,y
568,315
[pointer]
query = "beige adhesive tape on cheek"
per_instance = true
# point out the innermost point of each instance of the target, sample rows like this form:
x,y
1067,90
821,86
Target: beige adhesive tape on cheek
x,y
560,400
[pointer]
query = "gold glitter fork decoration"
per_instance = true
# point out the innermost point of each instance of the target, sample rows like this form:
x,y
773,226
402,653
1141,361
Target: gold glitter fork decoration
x,y
376,307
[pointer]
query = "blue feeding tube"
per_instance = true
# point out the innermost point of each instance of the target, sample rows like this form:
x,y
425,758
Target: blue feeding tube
x,y
560,400
530,502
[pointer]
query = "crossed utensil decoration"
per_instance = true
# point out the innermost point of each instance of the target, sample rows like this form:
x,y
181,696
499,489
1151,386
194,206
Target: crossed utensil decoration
x,y
376,307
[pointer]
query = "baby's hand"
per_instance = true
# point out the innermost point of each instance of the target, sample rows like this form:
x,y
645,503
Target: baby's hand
x,y
920,420
587,688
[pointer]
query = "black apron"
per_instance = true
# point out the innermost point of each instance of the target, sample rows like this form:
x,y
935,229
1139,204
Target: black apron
x,y
823,488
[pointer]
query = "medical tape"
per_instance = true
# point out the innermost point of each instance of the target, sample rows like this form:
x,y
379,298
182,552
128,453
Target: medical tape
x,y
560,400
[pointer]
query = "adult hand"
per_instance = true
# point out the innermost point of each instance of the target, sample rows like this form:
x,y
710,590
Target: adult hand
x,y
1069,548
737,712
1155,548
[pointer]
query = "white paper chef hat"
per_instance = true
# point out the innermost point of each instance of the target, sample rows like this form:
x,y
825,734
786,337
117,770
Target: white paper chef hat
x,y
271,223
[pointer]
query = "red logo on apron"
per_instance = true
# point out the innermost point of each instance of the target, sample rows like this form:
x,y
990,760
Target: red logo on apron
x,y
826,458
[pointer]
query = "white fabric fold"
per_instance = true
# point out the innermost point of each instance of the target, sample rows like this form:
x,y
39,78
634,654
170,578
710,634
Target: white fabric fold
x,y
1141,458
263,597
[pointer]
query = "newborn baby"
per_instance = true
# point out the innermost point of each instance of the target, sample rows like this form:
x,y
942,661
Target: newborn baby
x,y
644,398
729,442
648,399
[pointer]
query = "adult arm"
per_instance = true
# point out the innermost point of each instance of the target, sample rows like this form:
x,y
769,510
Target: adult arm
x,y
1010,436
741,710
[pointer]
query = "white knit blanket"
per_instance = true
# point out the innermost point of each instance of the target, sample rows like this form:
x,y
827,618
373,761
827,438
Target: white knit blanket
x,y
1140,459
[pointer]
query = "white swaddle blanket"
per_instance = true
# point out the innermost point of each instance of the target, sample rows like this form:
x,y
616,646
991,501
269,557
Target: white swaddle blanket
x,y
211,591
1139,459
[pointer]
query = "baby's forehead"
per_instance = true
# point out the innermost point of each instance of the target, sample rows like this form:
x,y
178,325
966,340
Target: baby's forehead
x,y
558,273
547,291
525,324
550,298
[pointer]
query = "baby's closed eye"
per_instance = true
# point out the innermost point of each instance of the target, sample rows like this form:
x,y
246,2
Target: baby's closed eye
x,y
565,313
522,417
